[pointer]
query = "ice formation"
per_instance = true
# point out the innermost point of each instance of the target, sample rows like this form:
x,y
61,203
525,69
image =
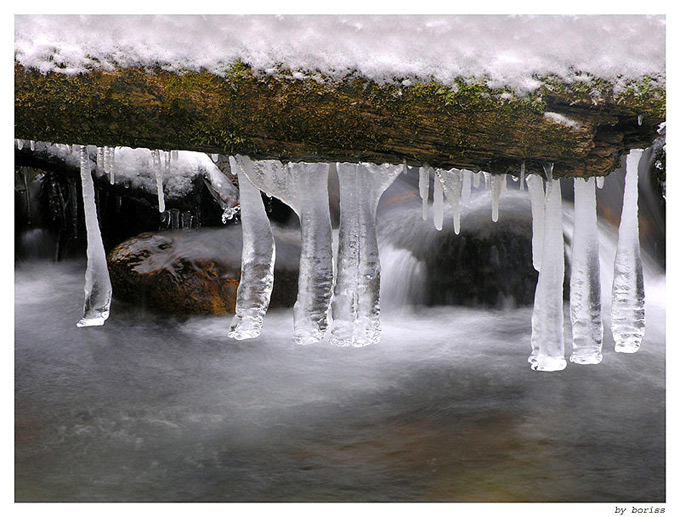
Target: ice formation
x,y
628,291
475,179
467,187
304,187
522,173
424,187
584,289
156,158
498,182
97,282
452,184
537,197
547,319
600,181
438,204
356,302
257,259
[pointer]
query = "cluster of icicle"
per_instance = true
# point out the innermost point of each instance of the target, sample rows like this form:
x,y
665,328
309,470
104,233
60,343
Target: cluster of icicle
x,y
347,286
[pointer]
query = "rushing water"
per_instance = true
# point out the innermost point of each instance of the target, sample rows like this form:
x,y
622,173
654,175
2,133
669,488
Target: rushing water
x,y
444,408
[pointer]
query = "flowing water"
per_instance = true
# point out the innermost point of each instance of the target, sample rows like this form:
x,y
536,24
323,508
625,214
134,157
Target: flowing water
x,y
444,408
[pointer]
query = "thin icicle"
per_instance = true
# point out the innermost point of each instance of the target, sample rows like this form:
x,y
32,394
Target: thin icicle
x,y
467,187
547,319
537,197
628,291
639,120
20,144
100,157
497,183
32,144
487,180
438,204
452,183
156,159
475,179
522,173
304,187
424,187
97,282
404,167
584,291
356,302
600,181
175,155
258,255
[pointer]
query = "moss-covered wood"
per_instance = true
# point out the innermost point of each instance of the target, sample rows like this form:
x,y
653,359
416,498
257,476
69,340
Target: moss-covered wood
x,y
467,126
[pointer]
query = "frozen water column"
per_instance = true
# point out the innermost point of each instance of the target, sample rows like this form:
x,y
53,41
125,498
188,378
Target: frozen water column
x,y
97,282
356,303
547,319
628,290
304,187
585,299
257,261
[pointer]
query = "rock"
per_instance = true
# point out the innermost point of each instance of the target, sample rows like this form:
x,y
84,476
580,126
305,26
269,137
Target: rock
x,y
195,271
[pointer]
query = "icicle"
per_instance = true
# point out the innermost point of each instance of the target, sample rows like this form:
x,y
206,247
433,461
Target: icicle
x,y
451,183
166,163
258,255
97,282
20,144
424,187
467,186
522,172
475,179
304,187
639,120
404,167
175,155
600,181
584,291
356,303
214,157
628,291
547,319
112,164
537,197
156,159
497,182
70,148
100,157
438,204
32,143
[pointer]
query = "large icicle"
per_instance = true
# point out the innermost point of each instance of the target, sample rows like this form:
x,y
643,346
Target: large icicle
x,y
156,158
585,300
424,187
452,183
537,197
498,182
258,254
547,319
628,291
304,187
97,282
438,204
356,304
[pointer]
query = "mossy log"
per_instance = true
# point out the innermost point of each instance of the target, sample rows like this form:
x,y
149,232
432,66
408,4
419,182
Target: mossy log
x,y
468,125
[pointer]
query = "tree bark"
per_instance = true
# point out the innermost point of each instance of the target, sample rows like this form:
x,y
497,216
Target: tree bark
x,y
353,119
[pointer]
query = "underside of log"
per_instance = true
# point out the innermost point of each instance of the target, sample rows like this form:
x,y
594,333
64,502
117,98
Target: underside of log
x,y
583,128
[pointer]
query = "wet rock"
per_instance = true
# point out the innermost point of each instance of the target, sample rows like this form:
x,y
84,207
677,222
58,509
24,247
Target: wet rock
x,y
195,271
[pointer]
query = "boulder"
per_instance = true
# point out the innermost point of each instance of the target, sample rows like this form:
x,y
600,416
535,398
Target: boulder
x,y
195,271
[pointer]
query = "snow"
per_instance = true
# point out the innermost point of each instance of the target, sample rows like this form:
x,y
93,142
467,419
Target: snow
x,y
561,119
258,254
501,50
